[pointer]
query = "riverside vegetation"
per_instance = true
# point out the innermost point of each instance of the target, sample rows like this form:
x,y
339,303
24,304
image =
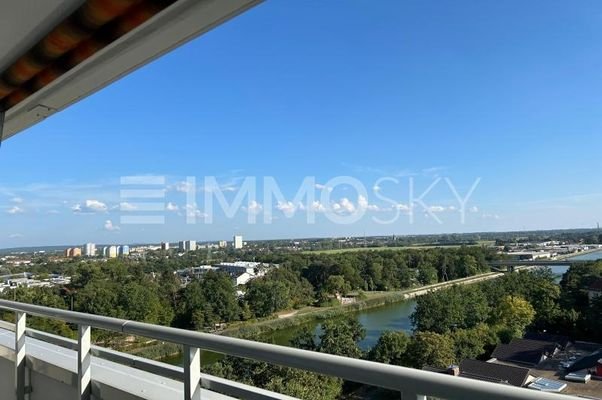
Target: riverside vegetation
x,y
461,322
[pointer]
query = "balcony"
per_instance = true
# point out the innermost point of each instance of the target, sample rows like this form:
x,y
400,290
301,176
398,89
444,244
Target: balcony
x,y
37,365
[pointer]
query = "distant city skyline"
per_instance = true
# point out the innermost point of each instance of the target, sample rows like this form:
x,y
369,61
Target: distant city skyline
x,y
396,97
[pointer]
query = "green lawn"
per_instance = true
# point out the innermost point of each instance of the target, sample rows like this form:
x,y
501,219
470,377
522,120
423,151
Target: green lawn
x,y
421,246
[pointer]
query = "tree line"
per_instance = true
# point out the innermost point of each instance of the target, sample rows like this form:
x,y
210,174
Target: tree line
x,y
449,325
149,291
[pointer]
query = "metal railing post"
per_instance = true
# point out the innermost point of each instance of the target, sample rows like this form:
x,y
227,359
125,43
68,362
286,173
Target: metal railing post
x,y
414,384
20,355
192,373
84,377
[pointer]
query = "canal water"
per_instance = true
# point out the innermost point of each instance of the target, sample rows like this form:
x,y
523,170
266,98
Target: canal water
x,y
596,255
394,317
559,270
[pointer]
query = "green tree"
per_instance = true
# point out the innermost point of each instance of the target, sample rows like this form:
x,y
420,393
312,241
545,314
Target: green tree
x,y
141,303
429,348
305,385
544,295
100,297
304,340
218,290
266,296
473,342
390,348
42,296
515,313
427,274
341,337
469,265
291,382
86,273
593,319
209,301
458,307
336,284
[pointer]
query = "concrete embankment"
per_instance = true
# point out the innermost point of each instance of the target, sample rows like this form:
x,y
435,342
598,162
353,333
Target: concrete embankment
x,y
581,253
463,281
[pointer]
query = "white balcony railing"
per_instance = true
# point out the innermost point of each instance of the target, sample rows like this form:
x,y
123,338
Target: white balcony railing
x,y
411,383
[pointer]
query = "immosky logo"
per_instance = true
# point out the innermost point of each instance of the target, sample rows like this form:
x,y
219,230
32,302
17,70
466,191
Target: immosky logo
x,y
144,200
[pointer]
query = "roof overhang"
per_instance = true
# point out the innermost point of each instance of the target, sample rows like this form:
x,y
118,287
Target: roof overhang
x,y
24,23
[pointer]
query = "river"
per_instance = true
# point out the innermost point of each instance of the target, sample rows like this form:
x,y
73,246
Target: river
x,y
559,270
395,317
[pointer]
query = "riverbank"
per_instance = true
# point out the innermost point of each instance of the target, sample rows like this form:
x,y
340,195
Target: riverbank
x,y
378,312
579,254
309,315
280,329
306,315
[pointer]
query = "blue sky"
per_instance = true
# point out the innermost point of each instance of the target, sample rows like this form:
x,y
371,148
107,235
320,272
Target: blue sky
x,y
508,92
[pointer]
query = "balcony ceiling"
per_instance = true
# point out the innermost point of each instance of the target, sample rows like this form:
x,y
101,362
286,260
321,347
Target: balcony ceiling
x,y
24,22
25,28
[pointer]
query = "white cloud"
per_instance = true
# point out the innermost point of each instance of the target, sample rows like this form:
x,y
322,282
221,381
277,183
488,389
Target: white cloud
x,y
172,207
183,187
125,206
473,209
15,210
16,236
90,207
193,211
254,207
317,206
17,200
490,216
53,212
401,207
441,209
344,206
286,207
376,188
362,202
108,226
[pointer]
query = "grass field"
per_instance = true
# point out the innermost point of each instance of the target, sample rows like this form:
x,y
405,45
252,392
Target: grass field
x,y
418,246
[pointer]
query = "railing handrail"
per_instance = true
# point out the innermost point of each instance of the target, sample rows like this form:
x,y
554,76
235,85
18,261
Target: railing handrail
x,y
405,380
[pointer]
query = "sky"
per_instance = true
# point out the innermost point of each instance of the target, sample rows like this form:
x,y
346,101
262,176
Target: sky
x,y
361,104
